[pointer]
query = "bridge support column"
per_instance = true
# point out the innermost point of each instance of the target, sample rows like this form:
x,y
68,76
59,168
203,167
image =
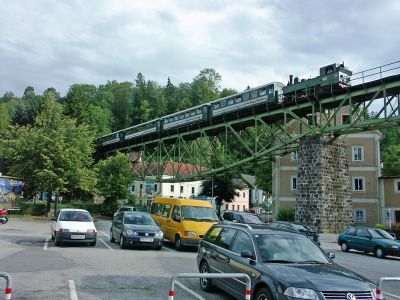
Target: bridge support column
x,y
323,185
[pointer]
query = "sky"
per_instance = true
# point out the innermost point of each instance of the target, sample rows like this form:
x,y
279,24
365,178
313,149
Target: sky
x,y
58,43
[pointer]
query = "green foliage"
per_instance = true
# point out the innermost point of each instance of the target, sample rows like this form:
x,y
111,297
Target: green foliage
x,y
114,178
286,214
390,150
33,209
222,188
93,208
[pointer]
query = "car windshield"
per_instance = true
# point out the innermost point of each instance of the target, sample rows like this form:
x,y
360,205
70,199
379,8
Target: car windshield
x,y
251,219
139,219
289,249
78,216
199,213
127,209
380,234
300,227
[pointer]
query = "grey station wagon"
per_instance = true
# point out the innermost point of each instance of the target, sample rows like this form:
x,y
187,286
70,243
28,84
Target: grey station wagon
x,y
281,265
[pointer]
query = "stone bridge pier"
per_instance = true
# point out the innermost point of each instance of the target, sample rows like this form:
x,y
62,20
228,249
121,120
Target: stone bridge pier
x,y
323,186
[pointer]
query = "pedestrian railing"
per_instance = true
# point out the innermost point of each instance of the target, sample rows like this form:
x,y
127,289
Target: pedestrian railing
x,y
379,291
211,275
8,285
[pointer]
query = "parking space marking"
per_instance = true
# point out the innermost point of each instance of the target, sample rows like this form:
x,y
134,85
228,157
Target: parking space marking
x,y
46,243
103,233
107,245
189,290
72,290
171,250
391,295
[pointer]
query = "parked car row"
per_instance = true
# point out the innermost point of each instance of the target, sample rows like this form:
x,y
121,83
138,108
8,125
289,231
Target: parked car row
x,y
283,259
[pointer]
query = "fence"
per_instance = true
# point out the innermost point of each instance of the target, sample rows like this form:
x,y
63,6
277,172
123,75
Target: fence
x,y
8,285
211,275
379,292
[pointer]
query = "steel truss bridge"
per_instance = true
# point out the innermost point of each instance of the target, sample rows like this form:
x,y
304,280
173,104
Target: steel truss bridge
x,y
372,100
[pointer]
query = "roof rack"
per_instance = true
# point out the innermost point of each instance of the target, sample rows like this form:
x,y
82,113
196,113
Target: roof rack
x,y
240,225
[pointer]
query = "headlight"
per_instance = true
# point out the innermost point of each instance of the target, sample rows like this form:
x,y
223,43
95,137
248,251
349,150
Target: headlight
x,y
160,234
393,247
91,231
190,233
64,230
373,292
301,293
130,232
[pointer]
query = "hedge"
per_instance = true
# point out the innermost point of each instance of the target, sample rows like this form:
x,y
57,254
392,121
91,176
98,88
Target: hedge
x,y
33,209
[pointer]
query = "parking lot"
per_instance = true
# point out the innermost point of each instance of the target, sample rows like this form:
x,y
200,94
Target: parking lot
x,y
40,270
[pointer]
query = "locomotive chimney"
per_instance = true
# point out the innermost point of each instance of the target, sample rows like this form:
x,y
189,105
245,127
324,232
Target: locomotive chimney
x,y
291,79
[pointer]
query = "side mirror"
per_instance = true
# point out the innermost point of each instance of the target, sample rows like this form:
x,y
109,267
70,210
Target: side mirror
x,y
158,224
54,219
331,255
246,254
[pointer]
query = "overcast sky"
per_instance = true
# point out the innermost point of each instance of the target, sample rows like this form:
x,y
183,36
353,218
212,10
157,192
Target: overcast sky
x,y
58,43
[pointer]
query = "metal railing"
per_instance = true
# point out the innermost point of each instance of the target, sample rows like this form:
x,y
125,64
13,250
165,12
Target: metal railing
x,y
171,293
375,73
8,290
379,291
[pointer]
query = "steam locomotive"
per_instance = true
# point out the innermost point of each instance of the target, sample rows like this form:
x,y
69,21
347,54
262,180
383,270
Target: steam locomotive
x,y
331,78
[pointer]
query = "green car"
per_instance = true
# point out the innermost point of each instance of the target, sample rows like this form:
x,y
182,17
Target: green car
x,y
367,239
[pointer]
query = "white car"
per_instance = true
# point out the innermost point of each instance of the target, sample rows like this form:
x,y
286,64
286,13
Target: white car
x,y
73,226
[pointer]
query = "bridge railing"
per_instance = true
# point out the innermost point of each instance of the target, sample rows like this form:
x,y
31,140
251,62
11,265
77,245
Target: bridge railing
x,y
375,73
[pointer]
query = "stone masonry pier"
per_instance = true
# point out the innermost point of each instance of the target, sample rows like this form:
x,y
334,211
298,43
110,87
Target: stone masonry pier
x,y
323,185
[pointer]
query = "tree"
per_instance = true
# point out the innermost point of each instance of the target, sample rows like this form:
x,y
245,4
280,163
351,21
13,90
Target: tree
x,y
227,92
4,118
390,149
222,188
53,155
205,87
114,178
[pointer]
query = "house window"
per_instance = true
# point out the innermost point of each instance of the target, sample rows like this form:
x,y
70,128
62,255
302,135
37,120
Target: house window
x,y
294,183
360,215
181,191
345,119
294,156
133,188
358,153
141,186
155,187
244,207
172,188
358,184
238,207
226,206
397,185
244,195
192,190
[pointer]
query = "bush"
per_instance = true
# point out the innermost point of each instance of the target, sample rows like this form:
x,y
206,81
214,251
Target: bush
x,y
33,209
286,214
93,208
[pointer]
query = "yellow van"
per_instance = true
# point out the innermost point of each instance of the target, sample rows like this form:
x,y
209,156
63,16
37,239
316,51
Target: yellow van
x,y
183,221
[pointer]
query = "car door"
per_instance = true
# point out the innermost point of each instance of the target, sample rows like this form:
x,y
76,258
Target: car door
x,y
173,222
362,240
221,255
239,264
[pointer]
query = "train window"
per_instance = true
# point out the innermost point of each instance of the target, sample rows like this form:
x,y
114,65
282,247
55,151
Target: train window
x,y
187,115
253,94
246,96
271,90
262,91
181,116
223,103
230,101
176,118
171,119
238,99
193,112
198,111
216,105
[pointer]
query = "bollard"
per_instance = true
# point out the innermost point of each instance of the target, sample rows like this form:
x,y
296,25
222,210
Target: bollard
x,y
171,293
8,290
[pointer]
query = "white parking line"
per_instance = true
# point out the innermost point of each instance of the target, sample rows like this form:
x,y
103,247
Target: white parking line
x,y
46,243
189,291
103,233
391,295
171,250
107,245
72,290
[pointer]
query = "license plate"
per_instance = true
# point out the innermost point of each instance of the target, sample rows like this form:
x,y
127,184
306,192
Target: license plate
x,y
77,236
146,239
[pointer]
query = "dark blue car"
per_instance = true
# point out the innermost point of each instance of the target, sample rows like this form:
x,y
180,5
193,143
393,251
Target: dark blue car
x,y
369,240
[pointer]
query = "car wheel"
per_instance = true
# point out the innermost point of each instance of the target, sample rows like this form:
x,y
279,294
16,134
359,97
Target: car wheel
x,y
56,241
158,247
122,242
112,240
205,283
263,294
178,243
379,252
344,247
